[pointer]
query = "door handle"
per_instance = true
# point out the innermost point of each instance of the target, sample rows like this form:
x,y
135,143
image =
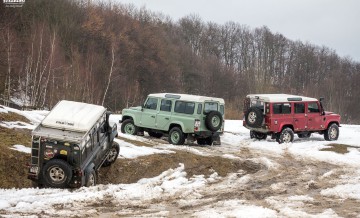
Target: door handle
x,y
153,116
166,118
310,119
296,120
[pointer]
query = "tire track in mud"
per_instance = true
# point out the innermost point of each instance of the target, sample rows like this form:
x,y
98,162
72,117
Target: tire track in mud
x,y
271,187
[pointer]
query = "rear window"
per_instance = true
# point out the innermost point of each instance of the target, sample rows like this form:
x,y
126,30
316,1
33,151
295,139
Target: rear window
x,y
210,106
282,108
184,107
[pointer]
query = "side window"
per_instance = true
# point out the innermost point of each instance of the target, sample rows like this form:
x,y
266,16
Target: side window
x,y
151,103
101,131
210,106
184,107
165,105
222,109
282,108
199,108
313,107
299,108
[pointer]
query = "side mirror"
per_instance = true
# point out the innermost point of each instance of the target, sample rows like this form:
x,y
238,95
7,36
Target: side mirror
x,y
321,99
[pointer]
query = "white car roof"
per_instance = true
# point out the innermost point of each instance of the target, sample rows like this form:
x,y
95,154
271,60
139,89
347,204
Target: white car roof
x,y
74,116
186,97
280,97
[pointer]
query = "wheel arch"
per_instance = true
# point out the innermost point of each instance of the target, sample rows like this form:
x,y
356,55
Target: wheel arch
x,y
127,117
177,124
287,126
332,122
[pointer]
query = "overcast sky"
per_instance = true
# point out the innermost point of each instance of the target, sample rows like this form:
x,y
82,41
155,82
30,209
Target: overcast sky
x,y
332,23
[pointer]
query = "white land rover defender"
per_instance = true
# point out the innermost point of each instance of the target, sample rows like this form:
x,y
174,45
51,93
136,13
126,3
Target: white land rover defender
x,y
69,146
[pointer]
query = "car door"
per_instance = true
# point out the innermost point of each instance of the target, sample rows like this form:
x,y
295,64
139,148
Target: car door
x,y
315,121
164,114
300,117
149,111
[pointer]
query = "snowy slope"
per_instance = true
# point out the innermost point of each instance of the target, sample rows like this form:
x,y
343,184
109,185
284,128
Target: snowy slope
x,y
328,177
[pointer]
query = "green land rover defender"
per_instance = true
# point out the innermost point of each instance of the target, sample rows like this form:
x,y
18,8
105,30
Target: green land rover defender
x,y
180,116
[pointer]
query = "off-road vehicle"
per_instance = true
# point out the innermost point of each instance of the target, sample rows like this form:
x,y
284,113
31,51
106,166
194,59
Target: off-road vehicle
x,y
282,115
69,146
180,116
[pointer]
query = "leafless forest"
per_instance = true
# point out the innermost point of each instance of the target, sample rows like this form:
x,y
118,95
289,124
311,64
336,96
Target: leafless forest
x,y
115,55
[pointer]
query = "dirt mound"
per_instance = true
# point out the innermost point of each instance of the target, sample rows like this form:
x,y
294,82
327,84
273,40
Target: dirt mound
x,y
12,117
132,170
13,168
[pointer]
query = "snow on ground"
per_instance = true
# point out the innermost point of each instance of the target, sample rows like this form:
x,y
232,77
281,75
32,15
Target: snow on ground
x,y
173,183
72,202
22,148
128,150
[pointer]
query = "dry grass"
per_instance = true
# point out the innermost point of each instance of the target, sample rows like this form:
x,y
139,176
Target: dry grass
x,y
132,170
338,148
13,170
11,117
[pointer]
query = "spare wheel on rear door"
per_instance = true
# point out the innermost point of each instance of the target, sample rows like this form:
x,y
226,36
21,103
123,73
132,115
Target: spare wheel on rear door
x,y
213,120
254,117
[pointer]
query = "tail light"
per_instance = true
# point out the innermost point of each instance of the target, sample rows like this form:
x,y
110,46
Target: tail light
x,y
197,125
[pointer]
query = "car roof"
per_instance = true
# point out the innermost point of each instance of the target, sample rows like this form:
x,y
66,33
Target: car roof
x,y
187,97
75,116
280,97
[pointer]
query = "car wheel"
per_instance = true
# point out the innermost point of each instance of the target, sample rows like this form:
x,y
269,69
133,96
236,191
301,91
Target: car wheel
x,y
257,135
201,141
91,178
286,136
332,132
129,127
213,120
176,136
304,135
113,154
254,117
57,173
155,134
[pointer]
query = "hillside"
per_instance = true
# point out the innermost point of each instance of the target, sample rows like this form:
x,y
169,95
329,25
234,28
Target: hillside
x,y
151,178
115,55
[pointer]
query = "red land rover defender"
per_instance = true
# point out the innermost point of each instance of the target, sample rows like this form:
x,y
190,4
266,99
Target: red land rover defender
x,y
282,115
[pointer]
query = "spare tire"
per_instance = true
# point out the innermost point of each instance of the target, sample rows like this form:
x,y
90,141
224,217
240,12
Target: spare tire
x,y
213,120
254,117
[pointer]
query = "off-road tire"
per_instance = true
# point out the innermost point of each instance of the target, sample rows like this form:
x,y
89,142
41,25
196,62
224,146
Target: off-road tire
x,y
57,173
257,135
155,134
332,132
201,141
176,136
304,135
254,117
129,127
213,121
91,178
286,136
113,155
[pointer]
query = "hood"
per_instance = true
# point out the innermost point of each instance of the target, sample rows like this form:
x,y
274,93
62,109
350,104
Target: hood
x,y
328,113
137,108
